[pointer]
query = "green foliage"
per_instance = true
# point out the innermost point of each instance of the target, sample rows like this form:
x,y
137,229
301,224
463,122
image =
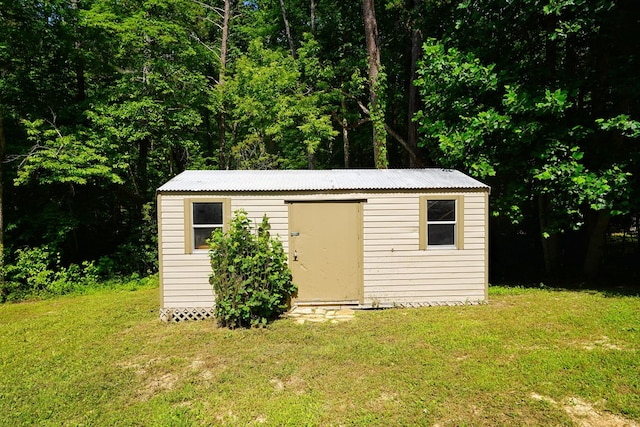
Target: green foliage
x,y
377,114
103,100
277,120
59,158
621,123
474,124
38,272
251,279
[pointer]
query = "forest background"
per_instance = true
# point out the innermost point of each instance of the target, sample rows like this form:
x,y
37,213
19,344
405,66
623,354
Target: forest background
x,y
102,101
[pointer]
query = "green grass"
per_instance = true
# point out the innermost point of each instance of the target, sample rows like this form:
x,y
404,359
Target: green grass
x,y
105,359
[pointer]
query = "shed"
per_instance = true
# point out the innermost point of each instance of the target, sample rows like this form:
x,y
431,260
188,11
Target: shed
x,y
354,237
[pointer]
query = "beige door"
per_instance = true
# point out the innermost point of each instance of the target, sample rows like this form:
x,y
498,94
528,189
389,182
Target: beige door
x,y
325,251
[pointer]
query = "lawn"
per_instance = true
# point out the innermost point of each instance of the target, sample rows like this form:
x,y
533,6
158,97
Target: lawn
x,y
528,357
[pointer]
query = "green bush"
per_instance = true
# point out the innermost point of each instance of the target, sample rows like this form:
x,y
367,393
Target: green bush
x,y
37,271
251,279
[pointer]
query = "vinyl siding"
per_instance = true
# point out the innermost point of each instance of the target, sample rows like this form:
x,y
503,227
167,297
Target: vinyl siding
x,y
395,270
185,277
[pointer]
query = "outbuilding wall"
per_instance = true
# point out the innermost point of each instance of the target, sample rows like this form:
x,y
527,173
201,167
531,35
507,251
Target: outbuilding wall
x,y
396,270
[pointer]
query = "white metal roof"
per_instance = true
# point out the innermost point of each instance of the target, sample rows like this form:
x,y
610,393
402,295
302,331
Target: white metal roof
x,y
319,180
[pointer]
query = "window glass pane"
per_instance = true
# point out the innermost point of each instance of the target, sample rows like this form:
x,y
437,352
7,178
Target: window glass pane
x,y
207,213
441,234
200,236
441,210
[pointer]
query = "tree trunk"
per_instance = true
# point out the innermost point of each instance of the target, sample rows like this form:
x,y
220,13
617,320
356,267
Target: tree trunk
x,y
412,129
223,164
142,174
597,235
79,62
375,85
550,243
312,8
2,145
287,30
345,135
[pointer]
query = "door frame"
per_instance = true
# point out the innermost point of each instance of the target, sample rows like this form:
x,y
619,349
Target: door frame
x,y
360,238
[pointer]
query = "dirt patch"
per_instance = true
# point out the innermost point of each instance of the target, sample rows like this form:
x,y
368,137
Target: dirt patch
x,y
162,383
584,414
385,399
602,343
157,376
293,383
140,365
227,417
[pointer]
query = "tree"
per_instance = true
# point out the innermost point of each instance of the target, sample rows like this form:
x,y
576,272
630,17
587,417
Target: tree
x,y
522,108
376,85
3,143
275,121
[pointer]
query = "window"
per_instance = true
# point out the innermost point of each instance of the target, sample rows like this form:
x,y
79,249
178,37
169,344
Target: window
x,y
203,216
441,222
206,218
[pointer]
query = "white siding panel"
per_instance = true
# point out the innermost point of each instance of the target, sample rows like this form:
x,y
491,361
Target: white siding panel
x,y
435,257
418,283
395,271
190,302
398,220
274,207
473,246
409,240
180,292
381,287
379,232
423,271
171,250
400,269
183,262
185,276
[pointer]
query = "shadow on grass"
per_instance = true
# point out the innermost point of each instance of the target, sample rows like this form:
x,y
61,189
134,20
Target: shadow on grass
x,y
619,281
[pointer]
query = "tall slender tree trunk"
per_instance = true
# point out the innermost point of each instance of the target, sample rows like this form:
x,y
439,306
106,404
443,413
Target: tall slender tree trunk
x,y
345,134
412,128
223,163
550,243
312,8
597,226
79,62
287,30
377,110
2,146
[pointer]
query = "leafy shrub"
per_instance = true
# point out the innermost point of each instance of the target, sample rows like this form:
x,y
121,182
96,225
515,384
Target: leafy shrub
x,y
251,279
37,271
74,278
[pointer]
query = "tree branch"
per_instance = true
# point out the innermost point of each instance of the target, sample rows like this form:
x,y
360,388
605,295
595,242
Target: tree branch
x,y
394,134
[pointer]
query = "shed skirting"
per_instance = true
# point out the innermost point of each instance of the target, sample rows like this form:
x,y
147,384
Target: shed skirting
x,y
180,314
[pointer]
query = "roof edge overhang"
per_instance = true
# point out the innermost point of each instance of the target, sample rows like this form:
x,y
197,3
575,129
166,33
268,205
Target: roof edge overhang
x,y
310,181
